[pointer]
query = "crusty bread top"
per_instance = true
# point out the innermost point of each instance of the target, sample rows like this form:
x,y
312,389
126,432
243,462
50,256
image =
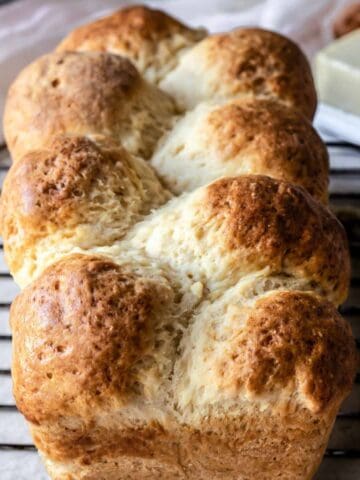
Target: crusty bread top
x,y
151,39
103,97
91,320
106,338
103,94
188,331
84,94
61,185
251,222
277,350
290,338
240,225
74,188
246,62
240,136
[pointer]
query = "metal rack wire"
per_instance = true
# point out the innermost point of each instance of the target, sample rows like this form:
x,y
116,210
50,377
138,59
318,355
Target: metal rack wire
x,y
344,446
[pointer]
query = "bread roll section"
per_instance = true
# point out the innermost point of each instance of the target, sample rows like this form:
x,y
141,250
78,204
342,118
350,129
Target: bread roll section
x,y
74,193
240,137
244,63
166,214
151,39
84,94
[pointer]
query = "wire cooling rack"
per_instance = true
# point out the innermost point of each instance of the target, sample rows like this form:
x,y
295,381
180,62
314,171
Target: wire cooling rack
x,y
18,457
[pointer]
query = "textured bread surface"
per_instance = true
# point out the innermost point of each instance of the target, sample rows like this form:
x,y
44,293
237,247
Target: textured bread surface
x,y
246,62
76,192
251,223
166,216
130,378
239,137
84,94
152,40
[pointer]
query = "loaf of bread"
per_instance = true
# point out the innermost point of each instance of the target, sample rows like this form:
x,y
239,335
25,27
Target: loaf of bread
x,y
166,215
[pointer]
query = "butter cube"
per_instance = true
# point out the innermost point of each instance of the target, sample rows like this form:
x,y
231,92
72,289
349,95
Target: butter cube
x,y
337,73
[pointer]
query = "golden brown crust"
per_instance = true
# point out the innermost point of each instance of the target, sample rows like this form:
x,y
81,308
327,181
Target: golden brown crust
x,y
84,94
293,339
276,223
162,363
148,37
48,185
90,321
222,448
245,62
347,21
270,65
74,182
109,441
284,143
93,321
243,136
261,447
55,185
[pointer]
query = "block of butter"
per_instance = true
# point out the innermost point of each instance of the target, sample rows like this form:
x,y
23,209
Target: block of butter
x,y
337,73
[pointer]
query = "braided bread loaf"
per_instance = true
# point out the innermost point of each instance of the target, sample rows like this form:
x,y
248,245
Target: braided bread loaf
x,y
174,324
